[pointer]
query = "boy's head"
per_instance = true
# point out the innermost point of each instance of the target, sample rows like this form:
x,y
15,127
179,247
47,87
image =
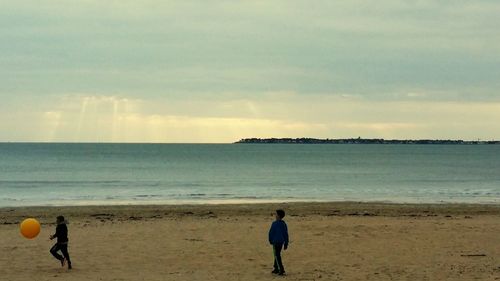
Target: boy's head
x,y
280,214
60,219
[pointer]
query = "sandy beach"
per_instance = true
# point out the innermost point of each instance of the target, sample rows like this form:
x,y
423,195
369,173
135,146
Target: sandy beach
x,y
329,241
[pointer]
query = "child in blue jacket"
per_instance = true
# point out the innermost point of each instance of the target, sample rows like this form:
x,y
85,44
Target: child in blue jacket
x,y
278,237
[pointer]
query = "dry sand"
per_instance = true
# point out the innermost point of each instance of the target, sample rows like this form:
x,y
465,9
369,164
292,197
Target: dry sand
x,y
329,241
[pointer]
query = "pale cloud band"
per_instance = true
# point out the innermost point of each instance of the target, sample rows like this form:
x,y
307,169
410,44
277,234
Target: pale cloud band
x,y
114,119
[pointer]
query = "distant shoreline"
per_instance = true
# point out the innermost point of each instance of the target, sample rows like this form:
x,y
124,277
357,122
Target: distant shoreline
x,y
359,141
345,208
228,203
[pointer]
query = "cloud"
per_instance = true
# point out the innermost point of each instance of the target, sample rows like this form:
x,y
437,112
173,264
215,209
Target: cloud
x,y
152,48
211,72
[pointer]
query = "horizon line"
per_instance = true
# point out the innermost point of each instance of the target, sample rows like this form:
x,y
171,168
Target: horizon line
x,y
235,142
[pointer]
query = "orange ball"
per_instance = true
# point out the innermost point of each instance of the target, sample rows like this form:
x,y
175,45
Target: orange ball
x,y
30,228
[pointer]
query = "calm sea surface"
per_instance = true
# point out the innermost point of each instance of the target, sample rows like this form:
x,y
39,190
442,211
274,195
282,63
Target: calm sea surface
x,y
80,174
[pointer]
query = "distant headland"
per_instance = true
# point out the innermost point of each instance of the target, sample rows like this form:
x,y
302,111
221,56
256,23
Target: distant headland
x,y
358,141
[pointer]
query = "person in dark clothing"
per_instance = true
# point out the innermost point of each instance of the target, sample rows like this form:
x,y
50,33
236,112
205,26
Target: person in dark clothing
x,y
278,237
62,242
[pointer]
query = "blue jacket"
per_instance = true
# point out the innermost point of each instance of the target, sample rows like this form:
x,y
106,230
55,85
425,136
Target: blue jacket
x,y
278,234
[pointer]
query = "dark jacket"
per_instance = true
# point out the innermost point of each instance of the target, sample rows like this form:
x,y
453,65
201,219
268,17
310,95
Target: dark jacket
x,y
278,234
61,233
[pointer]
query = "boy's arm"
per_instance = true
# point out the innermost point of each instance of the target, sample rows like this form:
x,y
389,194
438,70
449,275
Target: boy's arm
x,y
271,230
55,234
286,237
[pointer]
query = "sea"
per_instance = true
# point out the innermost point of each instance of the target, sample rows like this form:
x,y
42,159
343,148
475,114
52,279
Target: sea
x,y
67,174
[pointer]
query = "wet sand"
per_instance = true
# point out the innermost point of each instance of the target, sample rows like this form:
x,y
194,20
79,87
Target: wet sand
x,y
329,241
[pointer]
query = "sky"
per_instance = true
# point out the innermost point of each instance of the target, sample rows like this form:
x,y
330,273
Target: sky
x,y
218,71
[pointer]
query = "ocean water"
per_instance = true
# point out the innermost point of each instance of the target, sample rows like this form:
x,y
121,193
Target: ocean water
x,y
90,174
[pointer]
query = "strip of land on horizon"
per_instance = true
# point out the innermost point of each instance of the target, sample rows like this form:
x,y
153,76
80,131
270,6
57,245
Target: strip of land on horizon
x,y
361,141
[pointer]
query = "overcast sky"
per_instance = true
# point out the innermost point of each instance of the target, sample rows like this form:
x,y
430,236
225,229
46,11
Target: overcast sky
x,y
218,71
